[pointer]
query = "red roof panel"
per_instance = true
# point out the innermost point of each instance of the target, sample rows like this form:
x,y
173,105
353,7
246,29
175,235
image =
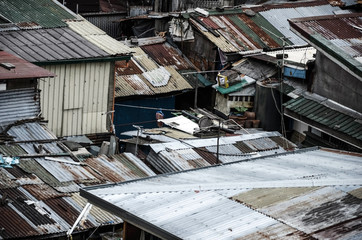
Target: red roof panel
x,y
19,68
165,55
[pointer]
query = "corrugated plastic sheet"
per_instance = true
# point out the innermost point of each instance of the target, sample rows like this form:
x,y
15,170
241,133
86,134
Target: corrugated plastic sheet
x,y
165,55
143,61
98,37
49,45
326,116
46,13
158,77
18,104
278,17
22,70
197,205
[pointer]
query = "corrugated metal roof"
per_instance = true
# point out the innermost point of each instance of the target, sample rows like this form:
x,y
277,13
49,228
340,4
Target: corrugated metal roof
x,y
143,61
129,68
119,168
69,172
341,125
129,85
66,211
22,70
189,154
46,13
338,36
255,69
166,55
221,42
233,32
101,216
196,204
44,45
30,131
98,37
18,104
278,17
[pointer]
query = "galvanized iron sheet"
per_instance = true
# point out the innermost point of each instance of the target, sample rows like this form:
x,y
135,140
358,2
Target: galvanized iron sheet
x,y
187,204
46,13
165,55
45,45
18,105
99,38
278,17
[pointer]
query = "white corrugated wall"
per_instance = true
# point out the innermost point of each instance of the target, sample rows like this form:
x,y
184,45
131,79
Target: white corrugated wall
x,y
73,101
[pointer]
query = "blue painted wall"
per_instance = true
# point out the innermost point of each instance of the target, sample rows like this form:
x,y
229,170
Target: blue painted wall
x,y
125,117
295,73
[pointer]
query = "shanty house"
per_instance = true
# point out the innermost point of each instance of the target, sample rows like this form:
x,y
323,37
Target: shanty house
x,y
40,176
152,80
331,109
223,36
79,98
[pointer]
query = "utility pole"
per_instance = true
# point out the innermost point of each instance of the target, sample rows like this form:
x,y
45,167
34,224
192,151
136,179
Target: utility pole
x,y
139,129
218,144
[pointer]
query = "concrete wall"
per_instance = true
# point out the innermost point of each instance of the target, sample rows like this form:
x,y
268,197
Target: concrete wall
x,y
333,82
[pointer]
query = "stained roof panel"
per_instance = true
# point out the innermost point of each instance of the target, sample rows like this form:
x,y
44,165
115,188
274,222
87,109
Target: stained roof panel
x,y
18,104
49,45
98,37
46,13
184,205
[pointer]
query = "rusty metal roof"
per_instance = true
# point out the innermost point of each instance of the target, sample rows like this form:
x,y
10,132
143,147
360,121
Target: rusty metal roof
x,y
51,184
306,196
153,79
119,168
336,35
166,55
233,32
21,68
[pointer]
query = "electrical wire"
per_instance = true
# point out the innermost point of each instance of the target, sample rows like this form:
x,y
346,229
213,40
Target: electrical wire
x,y
150,108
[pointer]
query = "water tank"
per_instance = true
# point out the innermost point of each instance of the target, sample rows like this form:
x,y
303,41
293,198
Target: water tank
x,y
267,105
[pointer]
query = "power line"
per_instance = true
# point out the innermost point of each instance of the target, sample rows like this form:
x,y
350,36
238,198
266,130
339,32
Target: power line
x,y
150,108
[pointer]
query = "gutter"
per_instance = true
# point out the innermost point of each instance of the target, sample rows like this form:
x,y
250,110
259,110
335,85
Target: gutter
x,y
84,60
